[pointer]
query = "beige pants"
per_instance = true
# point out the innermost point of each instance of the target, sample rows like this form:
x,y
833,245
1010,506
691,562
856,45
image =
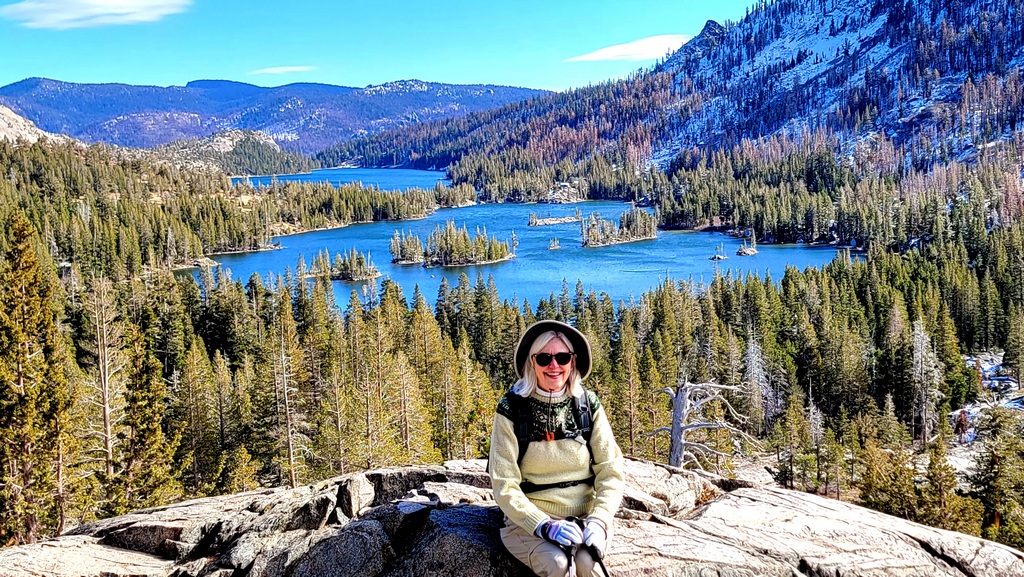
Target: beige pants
x,y
544,557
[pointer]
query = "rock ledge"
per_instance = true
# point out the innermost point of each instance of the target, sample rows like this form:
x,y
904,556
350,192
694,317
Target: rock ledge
x,y
441,521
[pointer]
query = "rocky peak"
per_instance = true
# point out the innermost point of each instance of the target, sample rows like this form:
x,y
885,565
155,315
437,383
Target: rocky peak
x,y
700,46
441,521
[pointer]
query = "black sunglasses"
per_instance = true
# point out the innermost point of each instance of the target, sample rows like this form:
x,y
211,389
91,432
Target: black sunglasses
x,y
544,359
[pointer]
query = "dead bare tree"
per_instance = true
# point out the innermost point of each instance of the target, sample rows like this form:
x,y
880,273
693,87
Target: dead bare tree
x,y
688,417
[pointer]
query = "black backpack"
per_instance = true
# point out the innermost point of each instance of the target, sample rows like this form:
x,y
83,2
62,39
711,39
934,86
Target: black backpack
x,y
521,417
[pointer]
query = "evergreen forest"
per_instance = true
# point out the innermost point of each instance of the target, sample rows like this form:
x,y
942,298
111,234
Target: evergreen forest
x,y
124,385
127,386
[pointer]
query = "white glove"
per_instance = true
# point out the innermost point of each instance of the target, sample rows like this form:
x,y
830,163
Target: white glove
x,y
595,535
564,533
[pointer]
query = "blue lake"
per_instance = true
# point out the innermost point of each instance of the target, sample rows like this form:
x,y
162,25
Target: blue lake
x,y
537,272
385,179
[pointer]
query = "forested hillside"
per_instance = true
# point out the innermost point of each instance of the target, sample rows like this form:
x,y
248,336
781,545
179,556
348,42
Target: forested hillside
x,y
121,218
236,152
934,81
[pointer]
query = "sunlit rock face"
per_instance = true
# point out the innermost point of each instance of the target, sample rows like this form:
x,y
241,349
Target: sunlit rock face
x,y
14,128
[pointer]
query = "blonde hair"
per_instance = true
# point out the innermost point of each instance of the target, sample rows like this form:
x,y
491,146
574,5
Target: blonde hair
x,y
527,384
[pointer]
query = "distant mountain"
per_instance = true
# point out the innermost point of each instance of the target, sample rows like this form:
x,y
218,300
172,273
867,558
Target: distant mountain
x,y
935,78
301,117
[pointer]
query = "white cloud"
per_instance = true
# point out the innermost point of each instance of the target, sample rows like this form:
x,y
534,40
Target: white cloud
x,y
64,14
283,69
648,48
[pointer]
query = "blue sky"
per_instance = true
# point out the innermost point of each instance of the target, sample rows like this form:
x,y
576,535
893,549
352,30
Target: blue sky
x,y
551,44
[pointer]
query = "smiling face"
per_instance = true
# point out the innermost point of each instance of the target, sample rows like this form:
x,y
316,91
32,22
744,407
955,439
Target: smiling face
x,y
553,377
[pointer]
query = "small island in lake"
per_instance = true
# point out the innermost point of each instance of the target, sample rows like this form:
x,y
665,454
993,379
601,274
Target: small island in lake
x,y
719,253
634,224
537,221
748,249
352,267
450,246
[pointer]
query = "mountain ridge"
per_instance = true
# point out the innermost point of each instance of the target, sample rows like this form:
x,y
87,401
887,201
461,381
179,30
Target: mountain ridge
x,y
303,117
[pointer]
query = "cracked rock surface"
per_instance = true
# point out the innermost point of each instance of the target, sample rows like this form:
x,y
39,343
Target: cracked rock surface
x,y
441,522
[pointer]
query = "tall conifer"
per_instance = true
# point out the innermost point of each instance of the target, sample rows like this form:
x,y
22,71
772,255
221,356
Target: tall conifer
x,y
34,395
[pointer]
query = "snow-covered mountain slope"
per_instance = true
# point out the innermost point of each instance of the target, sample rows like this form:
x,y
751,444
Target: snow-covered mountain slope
x,y
852,68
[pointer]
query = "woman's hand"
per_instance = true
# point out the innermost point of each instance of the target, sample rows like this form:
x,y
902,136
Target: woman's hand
x,y
564,533
595,535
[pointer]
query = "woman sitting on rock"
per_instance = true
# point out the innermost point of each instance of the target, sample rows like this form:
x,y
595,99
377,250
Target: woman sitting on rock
x,y
555,467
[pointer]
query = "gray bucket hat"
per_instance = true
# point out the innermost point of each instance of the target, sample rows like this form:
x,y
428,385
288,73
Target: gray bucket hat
x,y
580,345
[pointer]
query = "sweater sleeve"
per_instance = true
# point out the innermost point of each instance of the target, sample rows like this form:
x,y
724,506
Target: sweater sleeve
x,y
609,478
506,477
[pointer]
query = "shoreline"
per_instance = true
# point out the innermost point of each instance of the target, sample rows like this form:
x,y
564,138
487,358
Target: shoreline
x,y
555,220
360,278
509,257
627,241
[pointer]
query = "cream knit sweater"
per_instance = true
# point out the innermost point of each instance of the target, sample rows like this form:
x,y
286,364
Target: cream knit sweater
x,y
555,461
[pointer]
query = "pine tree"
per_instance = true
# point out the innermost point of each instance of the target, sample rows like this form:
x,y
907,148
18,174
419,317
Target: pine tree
x,y
891,432
939,504
222,384
762,402
833,464
410,417
625,404
479,397
146,476
873,480
652,410
795,441
895,363
238,472
292,420
901,498
34,393
365,429
434,362
999,478
194,410
1013,356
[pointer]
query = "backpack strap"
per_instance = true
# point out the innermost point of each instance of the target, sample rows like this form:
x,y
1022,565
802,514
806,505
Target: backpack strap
x,y
585,417
521,422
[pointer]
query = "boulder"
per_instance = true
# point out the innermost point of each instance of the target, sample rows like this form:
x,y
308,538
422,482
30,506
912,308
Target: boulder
x,y
442,521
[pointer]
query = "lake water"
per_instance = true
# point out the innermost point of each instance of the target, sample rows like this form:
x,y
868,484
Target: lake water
x,y
621,271
385,179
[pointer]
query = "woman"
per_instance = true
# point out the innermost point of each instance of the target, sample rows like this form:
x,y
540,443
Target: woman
x,y
559,477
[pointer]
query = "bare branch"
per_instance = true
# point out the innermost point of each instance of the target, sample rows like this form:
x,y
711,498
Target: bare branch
x,y
705,449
